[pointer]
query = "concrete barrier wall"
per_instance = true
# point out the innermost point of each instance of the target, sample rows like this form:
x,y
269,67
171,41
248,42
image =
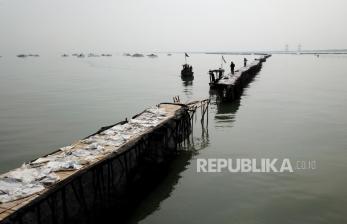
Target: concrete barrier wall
x,y
104,184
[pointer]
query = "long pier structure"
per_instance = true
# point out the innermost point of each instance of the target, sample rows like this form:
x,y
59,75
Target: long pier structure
x,y
230,86
92,174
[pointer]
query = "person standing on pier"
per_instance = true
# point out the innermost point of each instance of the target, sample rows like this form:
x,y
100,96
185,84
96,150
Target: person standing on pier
x,y
244,62
232,67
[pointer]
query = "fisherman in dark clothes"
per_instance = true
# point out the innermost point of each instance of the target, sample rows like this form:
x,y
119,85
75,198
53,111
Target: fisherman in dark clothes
x,y
232,67
244,62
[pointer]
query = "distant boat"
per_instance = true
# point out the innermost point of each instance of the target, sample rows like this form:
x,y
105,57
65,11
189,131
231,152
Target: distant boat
x,y
80,55
22,55
187,69
126,54
33,55
137,55
152,56
93,55
106,55
169,54
65,55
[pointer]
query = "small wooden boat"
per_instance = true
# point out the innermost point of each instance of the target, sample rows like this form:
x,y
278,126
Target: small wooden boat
x,y
81,55
215,76
187,70
93,55
137,55
152,55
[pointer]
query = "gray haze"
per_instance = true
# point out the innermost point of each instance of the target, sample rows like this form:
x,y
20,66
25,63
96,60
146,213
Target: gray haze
x,y
35,26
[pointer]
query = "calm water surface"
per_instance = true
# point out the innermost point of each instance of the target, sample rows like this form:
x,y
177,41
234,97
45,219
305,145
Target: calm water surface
x,y
295,108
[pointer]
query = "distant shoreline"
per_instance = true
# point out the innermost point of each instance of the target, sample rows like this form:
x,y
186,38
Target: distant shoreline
x,y
278,52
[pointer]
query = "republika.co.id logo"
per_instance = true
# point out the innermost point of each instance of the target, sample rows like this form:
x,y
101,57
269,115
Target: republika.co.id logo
x,y
246,165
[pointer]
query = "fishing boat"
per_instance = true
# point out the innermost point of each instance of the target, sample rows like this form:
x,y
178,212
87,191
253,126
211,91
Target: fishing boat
x,y
93,55
81,55
137,55
152,55
217,74
187,69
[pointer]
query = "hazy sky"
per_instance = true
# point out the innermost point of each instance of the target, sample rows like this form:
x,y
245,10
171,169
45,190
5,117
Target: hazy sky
x,y
30,26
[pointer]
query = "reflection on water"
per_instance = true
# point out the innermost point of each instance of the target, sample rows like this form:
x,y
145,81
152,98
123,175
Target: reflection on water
x,y
187,80
160,190
163,185
196,141
187,83
225,112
